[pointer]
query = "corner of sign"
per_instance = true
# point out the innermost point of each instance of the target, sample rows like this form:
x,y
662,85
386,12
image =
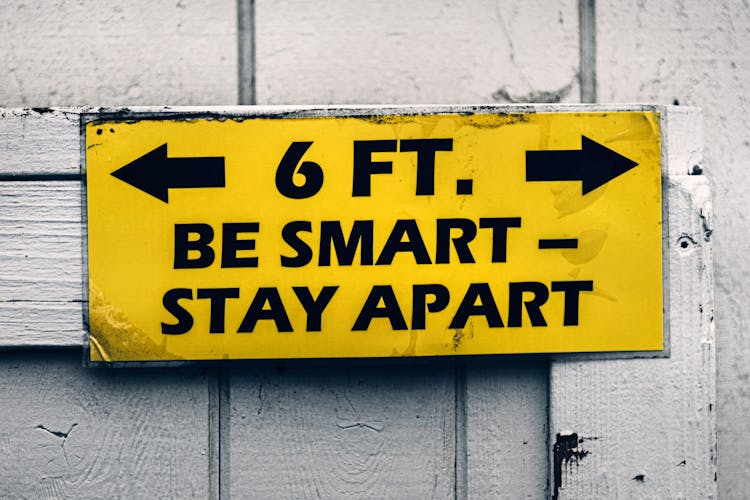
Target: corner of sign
x,y
113,337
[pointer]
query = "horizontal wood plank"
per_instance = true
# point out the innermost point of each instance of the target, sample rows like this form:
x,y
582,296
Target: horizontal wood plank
x,y
41,280
39,142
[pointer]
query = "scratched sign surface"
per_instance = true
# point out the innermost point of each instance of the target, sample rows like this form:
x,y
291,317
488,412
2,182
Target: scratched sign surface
x,y
296,236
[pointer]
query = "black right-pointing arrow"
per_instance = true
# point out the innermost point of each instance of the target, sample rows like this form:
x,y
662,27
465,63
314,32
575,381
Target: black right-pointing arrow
x,y
155,173
593,165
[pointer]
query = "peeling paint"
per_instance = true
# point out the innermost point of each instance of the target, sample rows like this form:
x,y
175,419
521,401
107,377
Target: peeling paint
x,y
707,230
565,451
62,435
477,118
411,349
457,338
113,336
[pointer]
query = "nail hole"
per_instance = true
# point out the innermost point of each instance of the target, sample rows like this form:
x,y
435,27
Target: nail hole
x,y
685,242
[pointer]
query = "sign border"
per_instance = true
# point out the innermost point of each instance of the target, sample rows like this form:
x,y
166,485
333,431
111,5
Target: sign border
x,y
176,113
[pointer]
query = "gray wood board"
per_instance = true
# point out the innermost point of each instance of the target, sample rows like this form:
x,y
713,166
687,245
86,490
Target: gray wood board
x,y
646,428
382,431
135,52
463,51
695,52
70,432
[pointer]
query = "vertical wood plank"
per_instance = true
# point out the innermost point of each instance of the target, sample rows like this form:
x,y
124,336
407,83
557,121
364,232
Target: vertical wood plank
x,y
137,52
378,431
506,405
695,52
506,401
421,51
646,427
71,432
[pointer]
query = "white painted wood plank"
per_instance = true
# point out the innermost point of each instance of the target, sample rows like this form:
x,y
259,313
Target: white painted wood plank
x,y
40,241
41,324
347,431
416,52
71,432
645,428
135,52
39,141
506,420
41,280
695,52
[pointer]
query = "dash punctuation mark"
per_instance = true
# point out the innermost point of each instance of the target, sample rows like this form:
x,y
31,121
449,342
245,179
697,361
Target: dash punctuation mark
x,y
558,243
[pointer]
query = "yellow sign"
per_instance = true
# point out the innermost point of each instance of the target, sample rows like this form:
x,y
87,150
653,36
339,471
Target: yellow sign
x,y
303,236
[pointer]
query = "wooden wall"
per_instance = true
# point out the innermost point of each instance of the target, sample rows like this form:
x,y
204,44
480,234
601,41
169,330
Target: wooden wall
x,y
375,429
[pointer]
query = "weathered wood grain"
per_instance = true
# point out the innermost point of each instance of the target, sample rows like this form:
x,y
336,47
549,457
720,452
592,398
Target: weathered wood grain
x,y
416,52
646,427
41,279
39,142
506,421
71,432
695,52
137,52
348,431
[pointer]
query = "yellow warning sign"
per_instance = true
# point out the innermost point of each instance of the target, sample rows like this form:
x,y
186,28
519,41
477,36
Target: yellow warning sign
x,y
295,235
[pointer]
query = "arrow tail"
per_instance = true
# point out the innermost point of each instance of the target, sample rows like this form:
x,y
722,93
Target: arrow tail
x,y
561,165
196,172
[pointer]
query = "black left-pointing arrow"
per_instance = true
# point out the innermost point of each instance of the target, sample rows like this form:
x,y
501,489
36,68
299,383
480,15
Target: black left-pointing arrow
x,y
155,173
